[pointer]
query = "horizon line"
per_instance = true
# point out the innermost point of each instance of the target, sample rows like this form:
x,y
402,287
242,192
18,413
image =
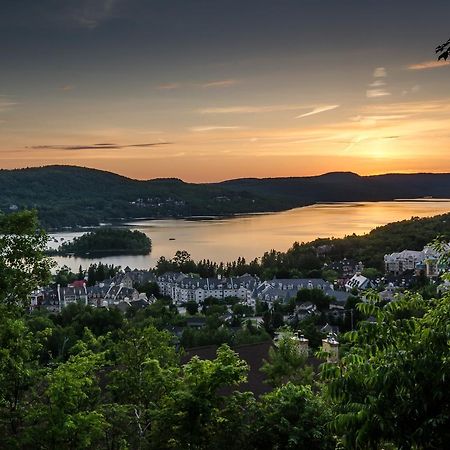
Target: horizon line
x,y
227,179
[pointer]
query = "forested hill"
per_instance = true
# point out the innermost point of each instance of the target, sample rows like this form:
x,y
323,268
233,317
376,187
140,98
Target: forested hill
x,y
347,186
69,196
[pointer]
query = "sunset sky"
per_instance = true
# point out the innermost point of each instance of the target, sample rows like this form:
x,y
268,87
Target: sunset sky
x,y
207,90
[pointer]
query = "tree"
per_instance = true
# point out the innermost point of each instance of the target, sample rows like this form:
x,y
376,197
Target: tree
x,y
19,369
23,264
286,363
371,273
147,368
188,410
315,296
443,50
392,385
292,417
66,414
192,307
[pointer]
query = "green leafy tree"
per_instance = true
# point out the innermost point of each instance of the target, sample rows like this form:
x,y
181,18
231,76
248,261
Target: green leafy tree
x,y
287,363
315,296
19,370
186,413
292,417
391,388
147,368
23,264
371,273
66,414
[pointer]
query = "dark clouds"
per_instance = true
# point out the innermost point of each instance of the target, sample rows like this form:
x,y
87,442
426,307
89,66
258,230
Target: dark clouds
x,y
103,146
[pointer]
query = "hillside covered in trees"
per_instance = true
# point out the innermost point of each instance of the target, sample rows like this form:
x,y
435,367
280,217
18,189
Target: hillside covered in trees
x,y
69,196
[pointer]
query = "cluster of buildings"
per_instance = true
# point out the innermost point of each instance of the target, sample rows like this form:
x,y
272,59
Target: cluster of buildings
x,y
118,292
182,288
427,261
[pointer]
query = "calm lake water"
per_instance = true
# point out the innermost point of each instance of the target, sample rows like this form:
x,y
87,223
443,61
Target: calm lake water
x,y
251,235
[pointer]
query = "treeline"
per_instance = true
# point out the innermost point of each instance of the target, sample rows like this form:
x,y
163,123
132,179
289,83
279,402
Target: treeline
x,y
107,242
95,273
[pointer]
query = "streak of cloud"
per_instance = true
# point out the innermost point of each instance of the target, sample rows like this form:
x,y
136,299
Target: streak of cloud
x,y
168,86
221,83
250,109
375,93
202,129
428,65
318,110
102,146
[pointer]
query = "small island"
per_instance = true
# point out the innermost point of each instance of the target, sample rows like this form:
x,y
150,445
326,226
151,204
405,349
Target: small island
x,y
108,242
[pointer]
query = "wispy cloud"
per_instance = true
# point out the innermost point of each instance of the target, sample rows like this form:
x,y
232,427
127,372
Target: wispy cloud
x,y
413,90
375,93
66,87
377,83
203,129
381,117
380,72
168,86
6,103
91,13
428,65
376,87
318,110
221,83
250,109
101,146
422,107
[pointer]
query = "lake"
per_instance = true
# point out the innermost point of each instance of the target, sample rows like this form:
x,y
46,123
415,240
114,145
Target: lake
x,y
251,235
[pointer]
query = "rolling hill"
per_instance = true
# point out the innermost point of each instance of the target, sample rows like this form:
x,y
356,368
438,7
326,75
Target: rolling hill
x,y
70,196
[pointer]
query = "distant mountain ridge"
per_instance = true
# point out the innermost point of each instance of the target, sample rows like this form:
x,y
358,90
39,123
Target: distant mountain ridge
x,y
71,196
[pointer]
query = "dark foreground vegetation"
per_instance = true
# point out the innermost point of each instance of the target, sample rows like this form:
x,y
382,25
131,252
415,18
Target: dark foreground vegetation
x,y
107,242
68,196
94,379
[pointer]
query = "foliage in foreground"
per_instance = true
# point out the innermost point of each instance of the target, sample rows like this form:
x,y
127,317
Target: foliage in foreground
x,y
121,385
392,386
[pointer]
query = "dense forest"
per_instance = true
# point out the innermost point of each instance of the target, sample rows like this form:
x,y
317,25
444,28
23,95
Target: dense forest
x,y
106,242
89,378
69,196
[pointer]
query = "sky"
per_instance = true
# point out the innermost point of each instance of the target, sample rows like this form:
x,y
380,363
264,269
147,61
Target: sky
x,y
207,90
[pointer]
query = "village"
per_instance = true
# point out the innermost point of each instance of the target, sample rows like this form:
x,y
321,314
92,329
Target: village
x,y
271,304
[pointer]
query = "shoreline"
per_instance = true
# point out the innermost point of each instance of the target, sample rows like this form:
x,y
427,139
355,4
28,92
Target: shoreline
x,y
124,222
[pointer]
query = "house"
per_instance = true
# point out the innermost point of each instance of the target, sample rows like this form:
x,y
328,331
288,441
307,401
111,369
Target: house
x,y
346,268
336,311
427,261
389,293
358,282
184,288
111,294
282,290
72,294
